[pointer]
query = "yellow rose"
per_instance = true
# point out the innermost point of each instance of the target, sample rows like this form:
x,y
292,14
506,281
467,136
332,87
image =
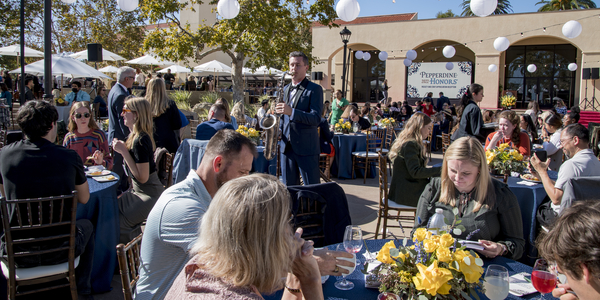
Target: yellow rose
x,y
432,279
471,271
429,245
421,234
341,120
446,240
503,146
384,254
444,254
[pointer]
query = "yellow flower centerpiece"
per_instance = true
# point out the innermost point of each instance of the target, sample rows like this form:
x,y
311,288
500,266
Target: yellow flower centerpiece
x,y
386,122
250,133
505,159
434,267
343,127
61,102
508,101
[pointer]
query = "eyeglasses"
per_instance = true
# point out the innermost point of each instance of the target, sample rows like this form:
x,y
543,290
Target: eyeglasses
x,y
85,115
562,141
125,110
132,77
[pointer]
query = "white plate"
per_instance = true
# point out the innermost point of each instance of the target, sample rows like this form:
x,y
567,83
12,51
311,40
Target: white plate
x,y
102,173
105,178
536,181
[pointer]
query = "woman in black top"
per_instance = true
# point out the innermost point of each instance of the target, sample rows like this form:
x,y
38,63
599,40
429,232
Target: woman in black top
x,y
165,116
138,155
471,120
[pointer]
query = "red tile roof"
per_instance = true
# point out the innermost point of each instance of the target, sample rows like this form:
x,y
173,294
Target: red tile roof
x,y
374,19
160,25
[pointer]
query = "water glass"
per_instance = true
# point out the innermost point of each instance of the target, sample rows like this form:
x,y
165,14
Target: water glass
x,y
496,282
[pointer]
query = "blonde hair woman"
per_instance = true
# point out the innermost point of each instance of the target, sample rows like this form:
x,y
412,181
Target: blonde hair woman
x,y
488,209
259,239
86,138
138,155
410,173
165,115
238,113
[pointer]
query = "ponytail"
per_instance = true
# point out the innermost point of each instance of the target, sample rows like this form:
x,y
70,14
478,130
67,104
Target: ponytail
x,y
474,88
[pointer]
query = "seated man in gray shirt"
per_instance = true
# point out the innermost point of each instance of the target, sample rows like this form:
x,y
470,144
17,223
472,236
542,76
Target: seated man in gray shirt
x,y
172,225
574,140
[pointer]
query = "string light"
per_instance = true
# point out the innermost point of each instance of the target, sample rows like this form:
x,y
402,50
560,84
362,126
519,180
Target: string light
x,y
435,48
544,29
521,34
481,41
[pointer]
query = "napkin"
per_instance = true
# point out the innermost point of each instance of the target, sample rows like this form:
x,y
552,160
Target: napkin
x,y
520,284
527,183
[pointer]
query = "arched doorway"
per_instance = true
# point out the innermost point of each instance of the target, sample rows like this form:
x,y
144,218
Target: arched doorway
x,y
551,80
367,77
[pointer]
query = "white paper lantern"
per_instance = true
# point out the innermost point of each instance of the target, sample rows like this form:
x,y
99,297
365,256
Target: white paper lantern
x,y
501,44
228,9
492,68
359,54
383,55
483,8
531,68
449,66
348,10
449,51
411,54
367,56
572,67
572,29
69,1
127,5
407,62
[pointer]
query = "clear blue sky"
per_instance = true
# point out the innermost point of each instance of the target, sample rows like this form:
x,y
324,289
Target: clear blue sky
x,y
427,9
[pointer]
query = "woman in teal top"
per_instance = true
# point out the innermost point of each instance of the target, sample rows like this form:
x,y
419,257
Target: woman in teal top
x,y
338,106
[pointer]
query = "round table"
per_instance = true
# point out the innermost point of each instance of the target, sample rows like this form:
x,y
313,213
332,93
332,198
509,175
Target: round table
x,y
261,165
344,145
63,113
102,210
361,292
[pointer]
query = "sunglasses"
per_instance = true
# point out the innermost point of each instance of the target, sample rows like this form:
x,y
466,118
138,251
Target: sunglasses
x,y
125,110
85,115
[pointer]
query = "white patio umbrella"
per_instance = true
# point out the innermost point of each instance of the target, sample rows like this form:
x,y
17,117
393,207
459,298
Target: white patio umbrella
x,y
63,65
175,69
15,50
263,71
214,66
149,60
106,55
109,69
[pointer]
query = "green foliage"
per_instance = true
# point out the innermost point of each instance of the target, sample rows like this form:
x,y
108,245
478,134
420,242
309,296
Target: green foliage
x,y
262,33
210,97
552,5
182,99
447,14
504,7
251,109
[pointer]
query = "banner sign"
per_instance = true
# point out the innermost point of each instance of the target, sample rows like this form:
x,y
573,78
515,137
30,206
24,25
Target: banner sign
x,y
434,77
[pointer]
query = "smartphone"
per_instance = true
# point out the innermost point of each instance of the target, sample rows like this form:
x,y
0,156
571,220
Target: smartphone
x,y
542,155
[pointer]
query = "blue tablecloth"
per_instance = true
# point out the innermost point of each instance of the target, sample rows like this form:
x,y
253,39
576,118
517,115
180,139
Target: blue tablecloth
x,y
360,292
529,197
103,211
344,145
262,165
188,156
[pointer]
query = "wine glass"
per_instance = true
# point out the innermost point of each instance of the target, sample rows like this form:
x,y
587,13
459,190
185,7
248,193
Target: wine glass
x,y
544,276
345,284
496,282
353,240
355,127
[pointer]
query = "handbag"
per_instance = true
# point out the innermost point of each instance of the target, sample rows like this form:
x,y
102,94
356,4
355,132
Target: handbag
x,y
545,215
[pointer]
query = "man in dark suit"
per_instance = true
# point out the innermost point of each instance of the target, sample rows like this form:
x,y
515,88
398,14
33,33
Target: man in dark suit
x,y
116,125
206,130
300,117
440,102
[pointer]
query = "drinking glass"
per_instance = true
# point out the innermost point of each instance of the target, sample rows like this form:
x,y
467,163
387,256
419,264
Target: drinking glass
x,y
353,240
544,276
496,282
355,127
345,284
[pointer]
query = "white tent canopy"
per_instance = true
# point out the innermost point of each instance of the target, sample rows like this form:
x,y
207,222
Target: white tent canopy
x,y
214,67
106,55
263,70
62,65
149,60
109,69
175,69
15,50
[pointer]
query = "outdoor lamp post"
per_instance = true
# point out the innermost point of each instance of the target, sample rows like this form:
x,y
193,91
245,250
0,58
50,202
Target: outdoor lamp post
x,y
345,34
